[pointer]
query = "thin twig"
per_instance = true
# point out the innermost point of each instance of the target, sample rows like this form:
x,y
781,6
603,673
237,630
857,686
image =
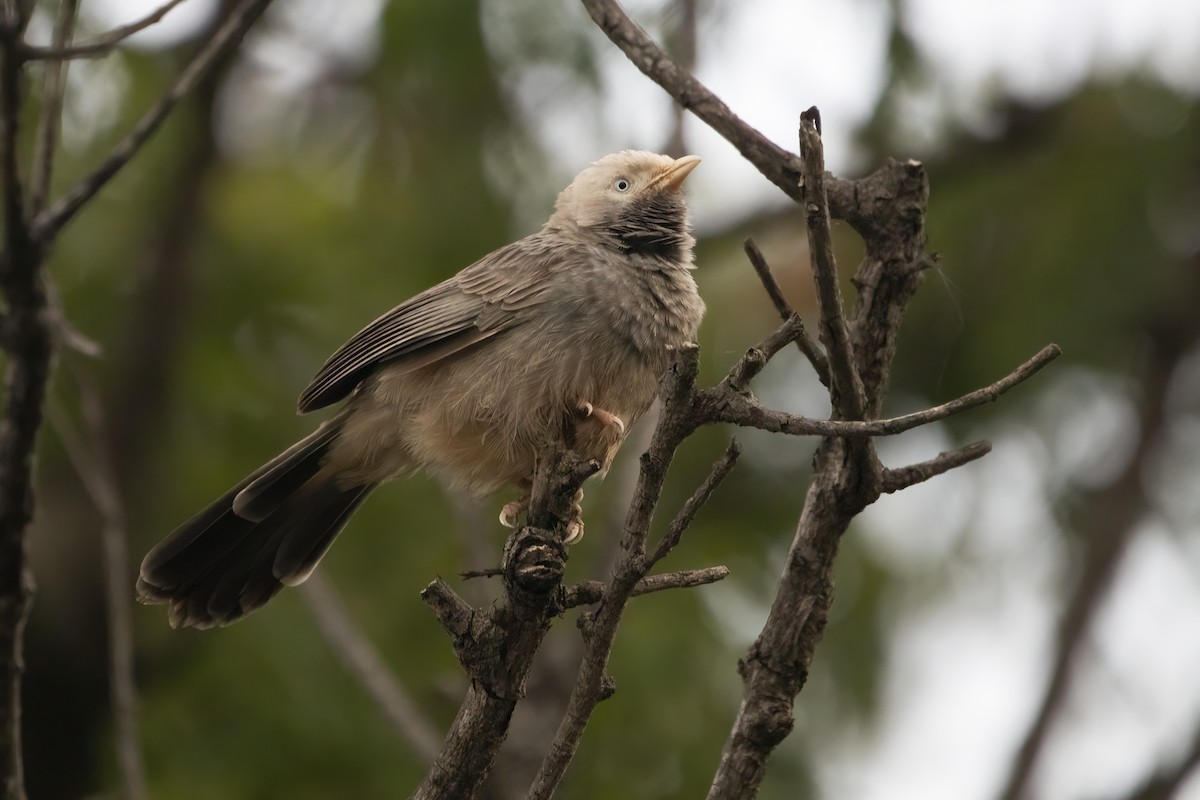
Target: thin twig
x,y
810,349
50,113
755,359
51,221
592,592
101,45
902,477
738,409
363,661
717,474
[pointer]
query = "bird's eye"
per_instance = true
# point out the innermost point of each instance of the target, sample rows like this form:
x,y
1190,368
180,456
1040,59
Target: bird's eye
x,y
621,184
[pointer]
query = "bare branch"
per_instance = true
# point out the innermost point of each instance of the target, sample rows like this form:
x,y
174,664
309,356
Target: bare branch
x,y
808,347
592,592
846,389
50,113
496,646
901,478
755,359
363,661
720,469
846,477
226,37
1167,780
92,462
776,164
1110,515
677,422
738,409
102,45
29,343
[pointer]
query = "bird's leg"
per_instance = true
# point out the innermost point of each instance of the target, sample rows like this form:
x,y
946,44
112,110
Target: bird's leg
x,y
511,512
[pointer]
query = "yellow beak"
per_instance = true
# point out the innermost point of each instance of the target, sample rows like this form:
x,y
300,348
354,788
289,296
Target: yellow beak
x,y
673,176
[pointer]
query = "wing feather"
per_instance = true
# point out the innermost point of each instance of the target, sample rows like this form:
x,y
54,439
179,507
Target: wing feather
x,y
490,296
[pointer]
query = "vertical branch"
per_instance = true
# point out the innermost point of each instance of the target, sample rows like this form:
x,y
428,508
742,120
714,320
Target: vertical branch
x,y
846,474
28,342
28,337
845,390
93,464
50,114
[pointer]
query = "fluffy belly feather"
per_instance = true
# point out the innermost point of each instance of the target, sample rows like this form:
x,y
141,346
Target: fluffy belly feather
x,y
489,436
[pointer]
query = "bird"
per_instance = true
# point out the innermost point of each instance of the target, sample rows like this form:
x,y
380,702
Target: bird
x,y
556,339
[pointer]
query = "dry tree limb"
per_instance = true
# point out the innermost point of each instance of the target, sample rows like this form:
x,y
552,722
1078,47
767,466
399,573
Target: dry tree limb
x,y
678,420
50,113
1110,515
362,660
28,341
226,37
92,462
725,404
804,342
592,592
902,477
101,45
29,328
845,389
848,475
496,646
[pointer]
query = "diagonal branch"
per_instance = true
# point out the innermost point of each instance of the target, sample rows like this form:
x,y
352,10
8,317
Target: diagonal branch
x,y
49,223
804,342
716,476
101,45
362,660
902,477
776,164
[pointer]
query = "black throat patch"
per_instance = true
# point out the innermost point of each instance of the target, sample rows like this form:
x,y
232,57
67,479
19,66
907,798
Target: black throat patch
x,y
652,226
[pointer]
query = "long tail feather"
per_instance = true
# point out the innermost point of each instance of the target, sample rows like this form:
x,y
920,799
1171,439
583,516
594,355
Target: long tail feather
x,y
219,566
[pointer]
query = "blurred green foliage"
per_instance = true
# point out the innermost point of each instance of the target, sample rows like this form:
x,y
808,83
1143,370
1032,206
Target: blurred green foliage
x,y
379,179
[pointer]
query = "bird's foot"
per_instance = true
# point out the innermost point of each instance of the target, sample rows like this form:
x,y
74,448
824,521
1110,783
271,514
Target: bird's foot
x,y
511,512
574,530
605,418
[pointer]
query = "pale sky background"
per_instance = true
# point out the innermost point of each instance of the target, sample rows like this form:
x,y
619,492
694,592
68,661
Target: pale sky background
x,y
962,675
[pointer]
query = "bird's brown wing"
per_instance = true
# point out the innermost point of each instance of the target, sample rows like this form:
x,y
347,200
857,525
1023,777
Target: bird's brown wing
x,y
483,300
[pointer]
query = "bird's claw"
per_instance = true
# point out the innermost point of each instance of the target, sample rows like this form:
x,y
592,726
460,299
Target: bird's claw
x,y
574,531
605,418
511,512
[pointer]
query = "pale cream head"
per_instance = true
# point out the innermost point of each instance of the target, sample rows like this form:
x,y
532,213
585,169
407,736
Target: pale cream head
x,y
606,188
